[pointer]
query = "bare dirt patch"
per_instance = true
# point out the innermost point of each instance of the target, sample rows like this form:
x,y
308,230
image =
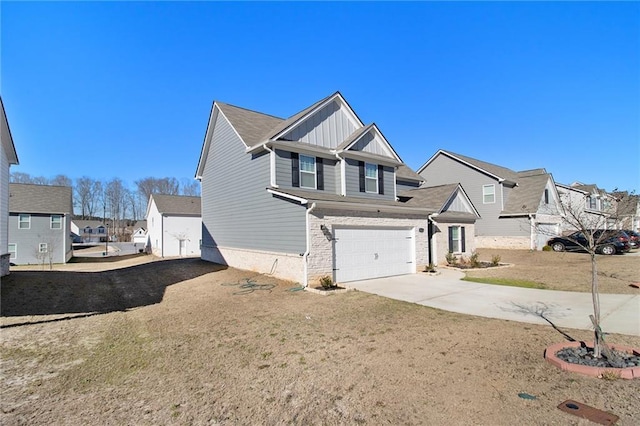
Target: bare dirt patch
x,y
564,271
175,342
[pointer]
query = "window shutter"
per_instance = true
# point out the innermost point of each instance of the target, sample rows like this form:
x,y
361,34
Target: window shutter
x,y
361,168
451,239
463,239
319,174
295,170
380,179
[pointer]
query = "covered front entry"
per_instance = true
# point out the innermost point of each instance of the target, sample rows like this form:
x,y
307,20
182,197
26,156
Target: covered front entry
x,y
364,253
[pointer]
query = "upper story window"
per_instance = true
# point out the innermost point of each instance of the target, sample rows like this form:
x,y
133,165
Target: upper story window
x,y
100,229
371,178
592,202
56,221
24,221
307,172
88,230
488,194
546,196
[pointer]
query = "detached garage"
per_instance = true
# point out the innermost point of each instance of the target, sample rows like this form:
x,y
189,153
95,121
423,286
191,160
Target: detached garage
x,y
364,253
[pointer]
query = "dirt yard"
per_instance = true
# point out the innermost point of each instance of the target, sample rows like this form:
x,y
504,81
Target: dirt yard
x,y
179,342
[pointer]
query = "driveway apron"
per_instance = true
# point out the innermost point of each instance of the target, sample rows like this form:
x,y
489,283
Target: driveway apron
x,y
619,313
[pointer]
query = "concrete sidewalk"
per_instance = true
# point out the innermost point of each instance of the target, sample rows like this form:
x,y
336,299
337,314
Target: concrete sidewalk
x,y
619,313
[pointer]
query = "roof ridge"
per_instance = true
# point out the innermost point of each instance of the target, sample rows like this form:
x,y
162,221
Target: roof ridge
x,y
248,110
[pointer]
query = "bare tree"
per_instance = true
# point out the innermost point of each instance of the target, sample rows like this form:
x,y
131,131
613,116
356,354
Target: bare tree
x,y
61,180
587,224
20,177
190,187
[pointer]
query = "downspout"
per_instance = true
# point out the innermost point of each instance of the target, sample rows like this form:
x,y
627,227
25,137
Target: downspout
x,y
429,236
306,253
343,171
532,241
162,235
272,165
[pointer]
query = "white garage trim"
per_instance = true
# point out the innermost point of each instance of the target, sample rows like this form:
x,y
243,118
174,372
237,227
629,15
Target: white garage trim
x,y
361,253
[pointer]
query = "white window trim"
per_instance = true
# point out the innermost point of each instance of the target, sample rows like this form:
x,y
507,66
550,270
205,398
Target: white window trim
x,y
28,221
484,194
368,178
51,221
41,246
459,240
13,254
315,179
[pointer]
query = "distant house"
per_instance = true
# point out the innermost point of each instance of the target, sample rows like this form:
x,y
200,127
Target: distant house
x,y
8,157
517,209
319,194
139,235
174,225
595,208
40,224
89,231
628,210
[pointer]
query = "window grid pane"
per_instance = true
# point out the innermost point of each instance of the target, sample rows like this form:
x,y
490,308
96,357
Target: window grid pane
x,y
13,250
371,178
488,194
56,222
24,221
307,172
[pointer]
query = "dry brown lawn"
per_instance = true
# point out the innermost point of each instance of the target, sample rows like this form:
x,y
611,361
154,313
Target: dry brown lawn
x,y
177,342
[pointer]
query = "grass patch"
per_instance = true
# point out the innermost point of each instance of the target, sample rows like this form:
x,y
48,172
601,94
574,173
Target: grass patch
x,y
506,281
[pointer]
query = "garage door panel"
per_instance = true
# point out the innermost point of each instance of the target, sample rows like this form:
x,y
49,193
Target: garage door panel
x,y
363,253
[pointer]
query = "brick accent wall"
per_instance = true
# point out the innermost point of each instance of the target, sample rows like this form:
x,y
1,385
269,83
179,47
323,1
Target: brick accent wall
x,y
516,243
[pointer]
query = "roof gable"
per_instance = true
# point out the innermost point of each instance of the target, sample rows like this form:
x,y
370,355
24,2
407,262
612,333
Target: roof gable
x,y
497,172
5,134
525,198
441,199
45,199
369,139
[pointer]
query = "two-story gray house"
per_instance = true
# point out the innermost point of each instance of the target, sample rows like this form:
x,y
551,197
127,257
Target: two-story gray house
x,y
306,197
8,157
40,224
517,209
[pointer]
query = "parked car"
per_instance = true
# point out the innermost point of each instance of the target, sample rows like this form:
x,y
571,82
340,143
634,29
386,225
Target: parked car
x,y
607,242
634,238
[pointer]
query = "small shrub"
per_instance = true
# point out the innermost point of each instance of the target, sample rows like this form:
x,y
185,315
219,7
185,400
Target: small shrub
x,y
327,282
451,259
610,375
473,260
546,248
430,268
495,260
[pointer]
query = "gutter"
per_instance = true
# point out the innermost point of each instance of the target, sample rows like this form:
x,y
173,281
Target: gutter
x,y
306,253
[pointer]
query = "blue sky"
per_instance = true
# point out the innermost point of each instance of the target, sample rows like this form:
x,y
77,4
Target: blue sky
x,y
124,89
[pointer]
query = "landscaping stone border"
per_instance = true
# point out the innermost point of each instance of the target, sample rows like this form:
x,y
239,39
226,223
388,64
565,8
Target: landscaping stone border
x,y
624,373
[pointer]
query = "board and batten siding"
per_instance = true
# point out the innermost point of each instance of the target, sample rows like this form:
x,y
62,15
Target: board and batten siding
x,y
445,170
283,172
237,210
327,128
370,143
352,178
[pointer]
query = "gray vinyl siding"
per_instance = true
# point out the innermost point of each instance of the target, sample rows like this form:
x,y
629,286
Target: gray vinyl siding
x,y
237,211
444,170
4,199
352,177
283,172
403,185
327,128
28,240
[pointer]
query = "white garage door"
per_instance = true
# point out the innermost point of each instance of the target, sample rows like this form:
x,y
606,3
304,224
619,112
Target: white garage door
x,y
363,253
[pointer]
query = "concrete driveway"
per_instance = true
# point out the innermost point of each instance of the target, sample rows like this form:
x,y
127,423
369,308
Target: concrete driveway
x,y
619,313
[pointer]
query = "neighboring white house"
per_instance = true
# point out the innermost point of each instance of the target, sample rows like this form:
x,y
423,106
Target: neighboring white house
x,y
174,225
88,231
8,157
140,237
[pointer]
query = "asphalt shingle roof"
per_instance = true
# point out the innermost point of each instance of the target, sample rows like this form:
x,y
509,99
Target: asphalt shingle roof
x,y
178,204
47,199
525,198
252,126
430,197
501,172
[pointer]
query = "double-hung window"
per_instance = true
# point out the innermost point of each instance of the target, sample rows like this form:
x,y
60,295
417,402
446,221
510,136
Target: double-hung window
x,y
101,229
43,248
307,172
56,221
456,239
371,178
24,221
13,250
488,194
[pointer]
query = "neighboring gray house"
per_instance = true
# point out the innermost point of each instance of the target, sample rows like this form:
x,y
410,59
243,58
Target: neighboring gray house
x,y
307,197
517,209
40,224
8,157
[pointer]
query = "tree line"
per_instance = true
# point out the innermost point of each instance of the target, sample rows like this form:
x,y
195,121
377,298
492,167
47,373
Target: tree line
x,y
113,199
